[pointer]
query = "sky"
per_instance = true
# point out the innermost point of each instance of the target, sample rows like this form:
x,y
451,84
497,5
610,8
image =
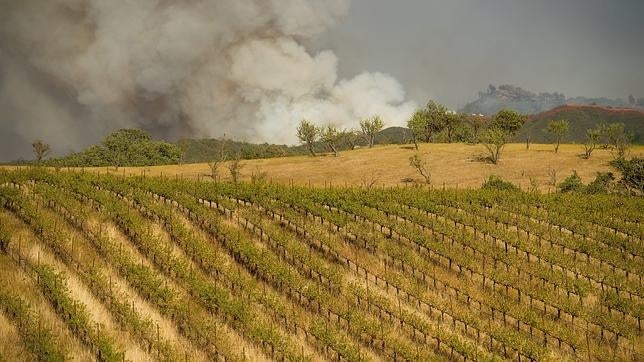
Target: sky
x,y
449,50
71,71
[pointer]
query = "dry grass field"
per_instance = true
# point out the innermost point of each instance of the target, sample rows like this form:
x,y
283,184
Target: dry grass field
x,y
452,165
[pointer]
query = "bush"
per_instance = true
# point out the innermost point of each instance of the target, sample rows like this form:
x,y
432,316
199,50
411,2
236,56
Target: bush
x,y
497,183
572,183
632,172
601,184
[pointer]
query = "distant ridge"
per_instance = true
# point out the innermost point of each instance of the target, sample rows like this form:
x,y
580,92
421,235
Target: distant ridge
x,y
582,117
516,98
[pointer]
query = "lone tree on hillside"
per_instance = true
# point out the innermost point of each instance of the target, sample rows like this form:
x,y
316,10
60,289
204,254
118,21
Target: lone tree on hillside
x,y
502,128
41,150
619,139
420,165
558,130
592,139
370,128
308,135
331,137
494,139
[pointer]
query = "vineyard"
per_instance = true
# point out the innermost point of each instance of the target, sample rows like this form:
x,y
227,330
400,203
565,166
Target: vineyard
x,y
113,268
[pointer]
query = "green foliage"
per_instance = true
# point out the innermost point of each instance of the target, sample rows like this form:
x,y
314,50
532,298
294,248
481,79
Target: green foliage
x,y
416,125
558,130
420,166
370,128
508,120
495,182
619,139
41,150
331,137
593,136
308,134
572,183
632,172
39,340
125,147
601,184
494,140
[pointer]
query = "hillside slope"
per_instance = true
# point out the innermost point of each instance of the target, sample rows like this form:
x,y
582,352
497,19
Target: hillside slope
x,y
582,117
451,164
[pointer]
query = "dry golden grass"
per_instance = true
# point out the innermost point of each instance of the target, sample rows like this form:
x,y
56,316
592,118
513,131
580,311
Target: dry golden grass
x,y
452,165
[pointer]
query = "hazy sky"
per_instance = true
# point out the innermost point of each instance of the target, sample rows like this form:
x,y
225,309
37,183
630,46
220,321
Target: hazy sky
x,y
71,71
448,50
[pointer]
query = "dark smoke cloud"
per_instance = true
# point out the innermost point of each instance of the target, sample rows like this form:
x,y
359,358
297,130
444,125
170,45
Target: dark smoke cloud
x,y
73,70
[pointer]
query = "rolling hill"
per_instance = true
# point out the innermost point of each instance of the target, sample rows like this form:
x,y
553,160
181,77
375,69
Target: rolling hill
x,y
582,117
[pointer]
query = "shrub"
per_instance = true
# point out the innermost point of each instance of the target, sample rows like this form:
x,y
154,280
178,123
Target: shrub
x,y
572,183
632,172
601,184
497,183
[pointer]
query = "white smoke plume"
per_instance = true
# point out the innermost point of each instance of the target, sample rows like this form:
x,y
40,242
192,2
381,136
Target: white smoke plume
x,y
72,70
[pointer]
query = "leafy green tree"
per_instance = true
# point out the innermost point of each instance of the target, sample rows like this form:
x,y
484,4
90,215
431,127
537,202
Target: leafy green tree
x,y
558,130
453,123
435,117
370,128
41,150
416,125
619,139
331,137
308,135
474,125
591,140
350,138
508,120
494,139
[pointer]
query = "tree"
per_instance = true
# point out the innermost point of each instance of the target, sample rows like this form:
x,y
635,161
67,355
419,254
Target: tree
x,y
593,135
331,137
453,122
435,118
370,128
350,138
235,166
420,165
508,121
558,130
218,159
618,138
476,124
416,125
41,150
308,135
494,139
